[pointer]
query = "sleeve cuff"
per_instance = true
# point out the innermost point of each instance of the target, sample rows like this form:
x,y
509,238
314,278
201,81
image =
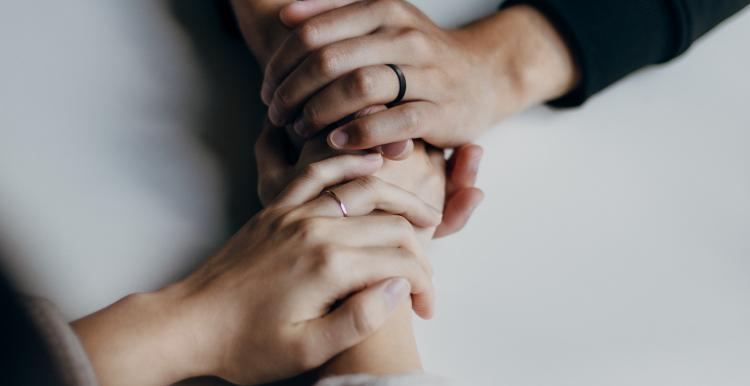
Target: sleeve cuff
x,y
610,39
63,344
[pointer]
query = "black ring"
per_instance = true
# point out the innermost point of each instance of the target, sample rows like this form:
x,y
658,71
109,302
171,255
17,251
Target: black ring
x,y
401,85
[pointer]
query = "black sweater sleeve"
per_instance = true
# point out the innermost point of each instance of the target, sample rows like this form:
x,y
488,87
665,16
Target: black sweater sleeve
x,y
610,39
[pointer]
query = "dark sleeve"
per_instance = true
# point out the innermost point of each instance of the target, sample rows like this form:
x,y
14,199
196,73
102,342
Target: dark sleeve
x,y
610,39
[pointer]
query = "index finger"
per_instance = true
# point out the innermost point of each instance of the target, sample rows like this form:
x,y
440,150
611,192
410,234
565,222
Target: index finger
x,y
350,19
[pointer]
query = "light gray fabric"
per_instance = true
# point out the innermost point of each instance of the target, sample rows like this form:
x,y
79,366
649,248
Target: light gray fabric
x,y
67,351
75,367
369,380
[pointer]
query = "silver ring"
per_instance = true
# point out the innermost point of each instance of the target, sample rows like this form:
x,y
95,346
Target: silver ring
x,y
338,200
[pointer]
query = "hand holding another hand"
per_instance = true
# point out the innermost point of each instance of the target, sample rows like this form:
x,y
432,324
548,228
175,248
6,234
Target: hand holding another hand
x,y
297,285
459,81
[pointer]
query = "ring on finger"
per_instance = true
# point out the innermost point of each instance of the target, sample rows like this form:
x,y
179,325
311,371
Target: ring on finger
x,y
336,198
401,85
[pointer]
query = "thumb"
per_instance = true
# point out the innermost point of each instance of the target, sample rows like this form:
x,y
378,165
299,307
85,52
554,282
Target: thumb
x,y
297,12
359,316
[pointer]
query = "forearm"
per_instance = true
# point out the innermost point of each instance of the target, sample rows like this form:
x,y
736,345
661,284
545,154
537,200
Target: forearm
x,y
137,341
393,349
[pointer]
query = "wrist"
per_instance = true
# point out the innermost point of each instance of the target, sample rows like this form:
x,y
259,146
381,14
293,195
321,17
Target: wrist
x,y
390,351
142,339
526,55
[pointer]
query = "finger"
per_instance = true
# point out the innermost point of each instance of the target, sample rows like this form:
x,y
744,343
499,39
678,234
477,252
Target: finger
x,y
330,62
397,150
350,20
406,121
466,165
297,12
462,197
358,318
364,195
358,89
317,176
272,153
458,210
379,230
345,270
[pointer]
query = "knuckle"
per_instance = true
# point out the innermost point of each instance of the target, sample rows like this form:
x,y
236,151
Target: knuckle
x,y
361,83
308,35
276,219
363,322
393,6
283,97
417,41
312,114
309,229
363,131
403,225
411,118
326,62
326,261
369,183
312,171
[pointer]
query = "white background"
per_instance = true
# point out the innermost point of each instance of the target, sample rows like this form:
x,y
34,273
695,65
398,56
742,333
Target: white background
x,y
613,247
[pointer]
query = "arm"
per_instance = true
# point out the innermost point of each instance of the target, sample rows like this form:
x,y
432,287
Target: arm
x,y
611,39
392,350
259,310
459,81
463,81
259,23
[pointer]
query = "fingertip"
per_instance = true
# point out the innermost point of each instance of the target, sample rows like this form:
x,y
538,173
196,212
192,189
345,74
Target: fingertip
x,y
423,306
395,291
458,211
374,159
338,139
294,13
398,150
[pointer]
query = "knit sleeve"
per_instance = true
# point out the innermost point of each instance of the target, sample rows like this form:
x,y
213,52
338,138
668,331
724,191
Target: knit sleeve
x,y
610,39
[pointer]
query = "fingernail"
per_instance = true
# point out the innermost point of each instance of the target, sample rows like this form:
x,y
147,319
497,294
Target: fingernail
x,y
476,205
339,138
274,115
373,157
266,93
300,127
393,150
395,291
475,163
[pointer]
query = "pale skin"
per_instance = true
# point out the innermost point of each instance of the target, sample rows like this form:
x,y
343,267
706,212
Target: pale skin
x,y
329,64
325,62
529,65
259,310
393,349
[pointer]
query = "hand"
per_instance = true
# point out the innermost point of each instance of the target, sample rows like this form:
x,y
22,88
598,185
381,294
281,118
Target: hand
x,y
459,82
275,167
261,27
294,287
258,21
461,195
